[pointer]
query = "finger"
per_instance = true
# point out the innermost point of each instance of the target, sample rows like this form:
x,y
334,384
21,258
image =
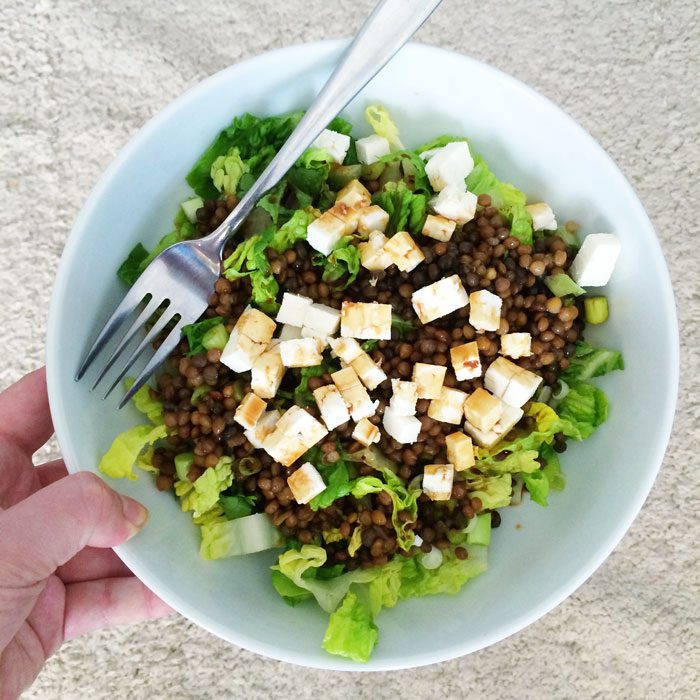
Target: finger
x,y
92,564
24,407
113,601
51,526
50,472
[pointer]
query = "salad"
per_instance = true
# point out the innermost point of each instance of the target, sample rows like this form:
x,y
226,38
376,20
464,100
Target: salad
x,y
393,352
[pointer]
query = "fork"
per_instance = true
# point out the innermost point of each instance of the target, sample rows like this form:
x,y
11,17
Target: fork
x,y
181,279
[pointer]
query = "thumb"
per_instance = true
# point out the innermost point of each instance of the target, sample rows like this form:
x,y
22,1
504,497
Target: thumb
x,y
50,527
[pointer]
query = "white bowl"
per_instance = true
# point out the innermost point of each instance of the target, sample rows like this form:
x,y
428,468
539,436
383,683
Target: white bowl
x,y
528,141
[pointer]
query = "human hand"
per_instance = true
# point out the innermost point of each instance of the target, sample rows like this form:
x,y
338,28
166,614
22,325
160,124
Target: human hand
x,y
58,577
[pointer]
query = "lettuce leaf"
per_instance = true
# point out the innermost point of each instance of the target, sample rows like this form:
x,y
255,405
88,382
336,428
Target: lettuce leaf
x,y
407,210
146,404
227,170
589,362
118,462
195,332
237,506
130,269
351,631
343,261
493,491
439,142
246,535
202,495
383,125
585,407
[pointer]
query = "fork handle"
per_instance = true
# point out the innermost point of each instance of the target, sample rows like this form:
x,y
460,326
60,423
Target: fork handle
x,y
390,25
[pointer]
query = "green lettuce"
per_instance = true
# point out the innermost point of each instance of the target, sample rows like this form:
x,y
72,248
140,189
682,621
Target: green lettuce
x,y
407,210
146,404
195,332
227,170
351,631
383,125
589,362
337,481
493,491
130,269
343,261
439,142
549,477
585,407
118,462
237,506
245,535
202,494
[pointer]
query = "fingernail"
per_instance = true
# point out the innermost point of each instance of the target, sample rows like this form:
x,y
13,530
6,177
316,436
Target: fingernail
x,y
134,512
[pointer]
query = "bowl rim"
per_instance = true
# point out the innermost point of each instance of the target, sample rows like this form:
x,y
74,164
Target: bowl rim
x,y
136,562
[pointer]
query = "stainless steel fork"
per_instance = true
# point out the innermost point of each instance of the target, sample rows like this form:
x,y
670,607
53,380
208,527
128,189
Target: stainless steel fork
x,y
180,280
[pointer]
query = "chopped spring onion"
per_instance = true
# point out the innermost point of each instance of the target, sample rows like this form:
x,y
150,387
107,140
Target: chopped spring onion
x,y
481,534
215,338
562,284
596,309
431,559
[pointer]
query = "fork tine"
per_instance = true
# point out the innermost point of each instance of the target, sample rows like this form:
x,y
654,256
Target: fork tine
x,y
158,326
137,325
168,345
132,299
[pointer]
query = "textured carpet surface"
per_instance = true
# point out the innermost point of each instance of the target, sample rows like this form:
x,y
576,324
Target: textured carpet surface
x,y
78,78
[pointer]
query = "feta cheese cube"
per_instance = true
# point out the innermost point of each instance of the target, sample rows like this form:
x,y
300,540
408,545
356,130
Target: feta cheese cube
x,y
322,320
404,251
289,332
323,233
301,352
542,216
482,409
296,432
483,438
465,361
333,409
369,372
256,325
455,204
373,257
488,438
439,299
366,432
485,310
437,481
347,349
438,227
371,148
595,261
334,143
521,388
460,451
499,374
372,218
267,373
365,320
349,216
265,425
293,310
403,429
305,483
516,344
449,407
428,380
404,397
250,337
450,165
355,195
249,411
354,394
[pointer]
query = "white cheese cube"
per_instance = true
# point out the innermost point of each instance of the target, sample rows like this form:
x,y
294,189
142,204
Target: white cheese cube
x,y
516,345
542,216
347,215
296,432
509,419
347,349
460,451
482,409
323,233
265,425
499,374
323,320
354,394
369,372
333,409
256,325
289,332
404,397
301,352
465,361
366,432
371,148
595,261
305,483
455,204
438,227
404,251
449,407
403,429
249,411
250,337
437,481
365,320
334,143
370,219
439,299
483,438
450,165
373,257
428,380
267,373
293,310
521,388
355,195
485,310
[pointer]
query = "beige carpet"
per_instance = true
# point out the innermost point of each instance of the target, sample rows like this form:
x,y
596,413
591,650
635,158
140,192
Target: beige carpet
x,y
77,79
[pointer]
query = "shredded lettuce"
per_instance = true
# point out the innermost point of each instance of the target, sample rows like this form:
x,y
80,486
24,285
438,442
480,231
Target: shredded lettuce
x,y
351,631
245,535
492,491
407,210
202,494
589,362
585,407
237,506
383,125
227,170
130,269
343,262
195,333
118,462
